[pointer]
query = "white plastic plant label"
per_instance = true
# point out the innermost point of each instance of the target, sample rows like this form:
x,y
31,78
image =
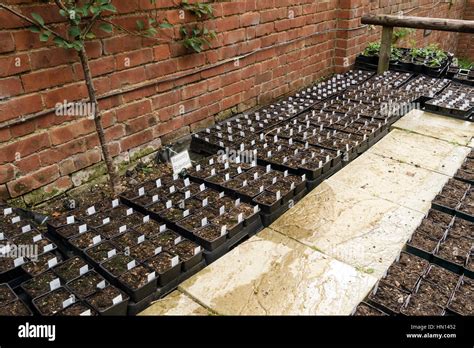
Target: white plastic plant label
x,y
240,217
26,228
221,194
187,182
269,168
177,240
222,210
198,168
151,276
197,250
70,220
223,230
274,180
158,183
141,191
122,228
91,210
115,203
69,301
37,238
204,221
86,313
131,265
52,262
16,219
154,199
202,187
175,176
140,239
181,161
211,161
48,247
111,253
278,195
158,250
186,213
96,240
239,170
237,202
162,228
255,175
7,211
172,189
146,219
244,183
303,177
187,195
205,202
256,209
226,165
117,300
83,270
129,211
169,204
2,237
19,261
261,189
175,261
213,171
82,228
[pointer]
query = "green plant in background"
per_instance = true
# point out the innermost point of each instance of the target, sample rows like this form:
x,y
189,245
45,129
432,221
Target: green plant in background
x,y
400,34
198,9
396,53
464,63
372,49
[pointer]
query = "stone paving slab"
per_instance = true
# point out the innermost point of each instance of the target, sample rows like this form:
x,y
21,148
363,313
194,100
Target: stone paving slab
x,y
350,225
437,126
175,303
423,151
271,274
401,183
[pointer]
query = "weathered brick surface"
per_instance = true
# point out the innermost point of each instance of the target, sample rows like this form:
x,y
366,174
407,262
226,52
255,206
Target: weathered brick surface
x,y
50,150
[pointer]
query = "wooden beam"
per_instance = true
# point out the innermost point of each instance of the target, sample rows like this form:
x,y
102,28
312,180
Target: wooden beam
x,y
443,24
385,50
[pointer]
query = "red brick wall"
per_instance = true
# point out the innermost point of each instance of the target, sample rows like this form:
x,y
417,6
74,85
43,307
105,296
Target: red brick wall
x,y
350,43
466,41
46,155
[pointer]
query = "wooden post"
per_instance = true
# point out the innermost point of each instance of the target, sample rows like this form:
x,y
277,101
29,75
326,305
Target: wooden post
x,y
385,50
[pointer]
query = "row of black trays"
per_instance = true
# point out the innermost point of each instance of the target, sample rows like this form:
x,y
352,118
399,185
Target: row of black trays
x,y
465,76
466,172
413,286
456,101
456,198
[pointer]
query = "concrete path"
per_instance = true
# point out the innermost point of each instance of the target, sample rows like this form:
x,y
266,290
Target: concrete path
x,y
324,255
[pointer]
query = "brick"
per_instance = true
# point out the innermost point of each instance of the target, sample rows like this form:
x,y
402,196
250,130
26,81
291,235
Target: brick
x,y
9,87
14,64
248,19
161,52
127,77
194,90
20,106
70,93
166,99
191,61
86,159
33,181
7,173
140,123
135,58
22,129
28,164
4,194
136,139
6,42
133,110
234,36
36,81
161,69
51,57
115,132
72,131
121,44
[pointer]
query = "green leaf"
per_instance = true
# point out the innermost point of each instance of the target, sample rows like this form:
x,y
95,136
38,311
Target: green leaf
x,y
37,18
44,36
90,36
140,24
74,31
34,29
107,27
166,25
108,7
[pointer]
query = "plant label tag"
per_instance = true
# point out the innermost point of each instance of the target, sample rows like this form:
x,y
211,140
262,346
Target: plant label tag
x,y
48,247
177,240
111,253
106,221
198,168
69,301
70,220
117,299
226,165
96,240
202,187
158,183
221,194
285,173
292,187
213,171
256,209
222,210
205,202
91,210
254,163
82,228
197,250
239,170
158,250
262,188
175,177
211,161
303,177
141,191
26,228
16,219
19,261
122,228
146,219
223,230
54,284
162,228
278,195
204,221
240,217
141,239
52,262
129,211
244,183
7,211
2,237
274,180
269,168
172,189
168,204
186,213
154,199
115,203
237,202
290,142
181,161
269,154
86,313
187,194
151,276
83,270
175,261
131,265
37,238
255,175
